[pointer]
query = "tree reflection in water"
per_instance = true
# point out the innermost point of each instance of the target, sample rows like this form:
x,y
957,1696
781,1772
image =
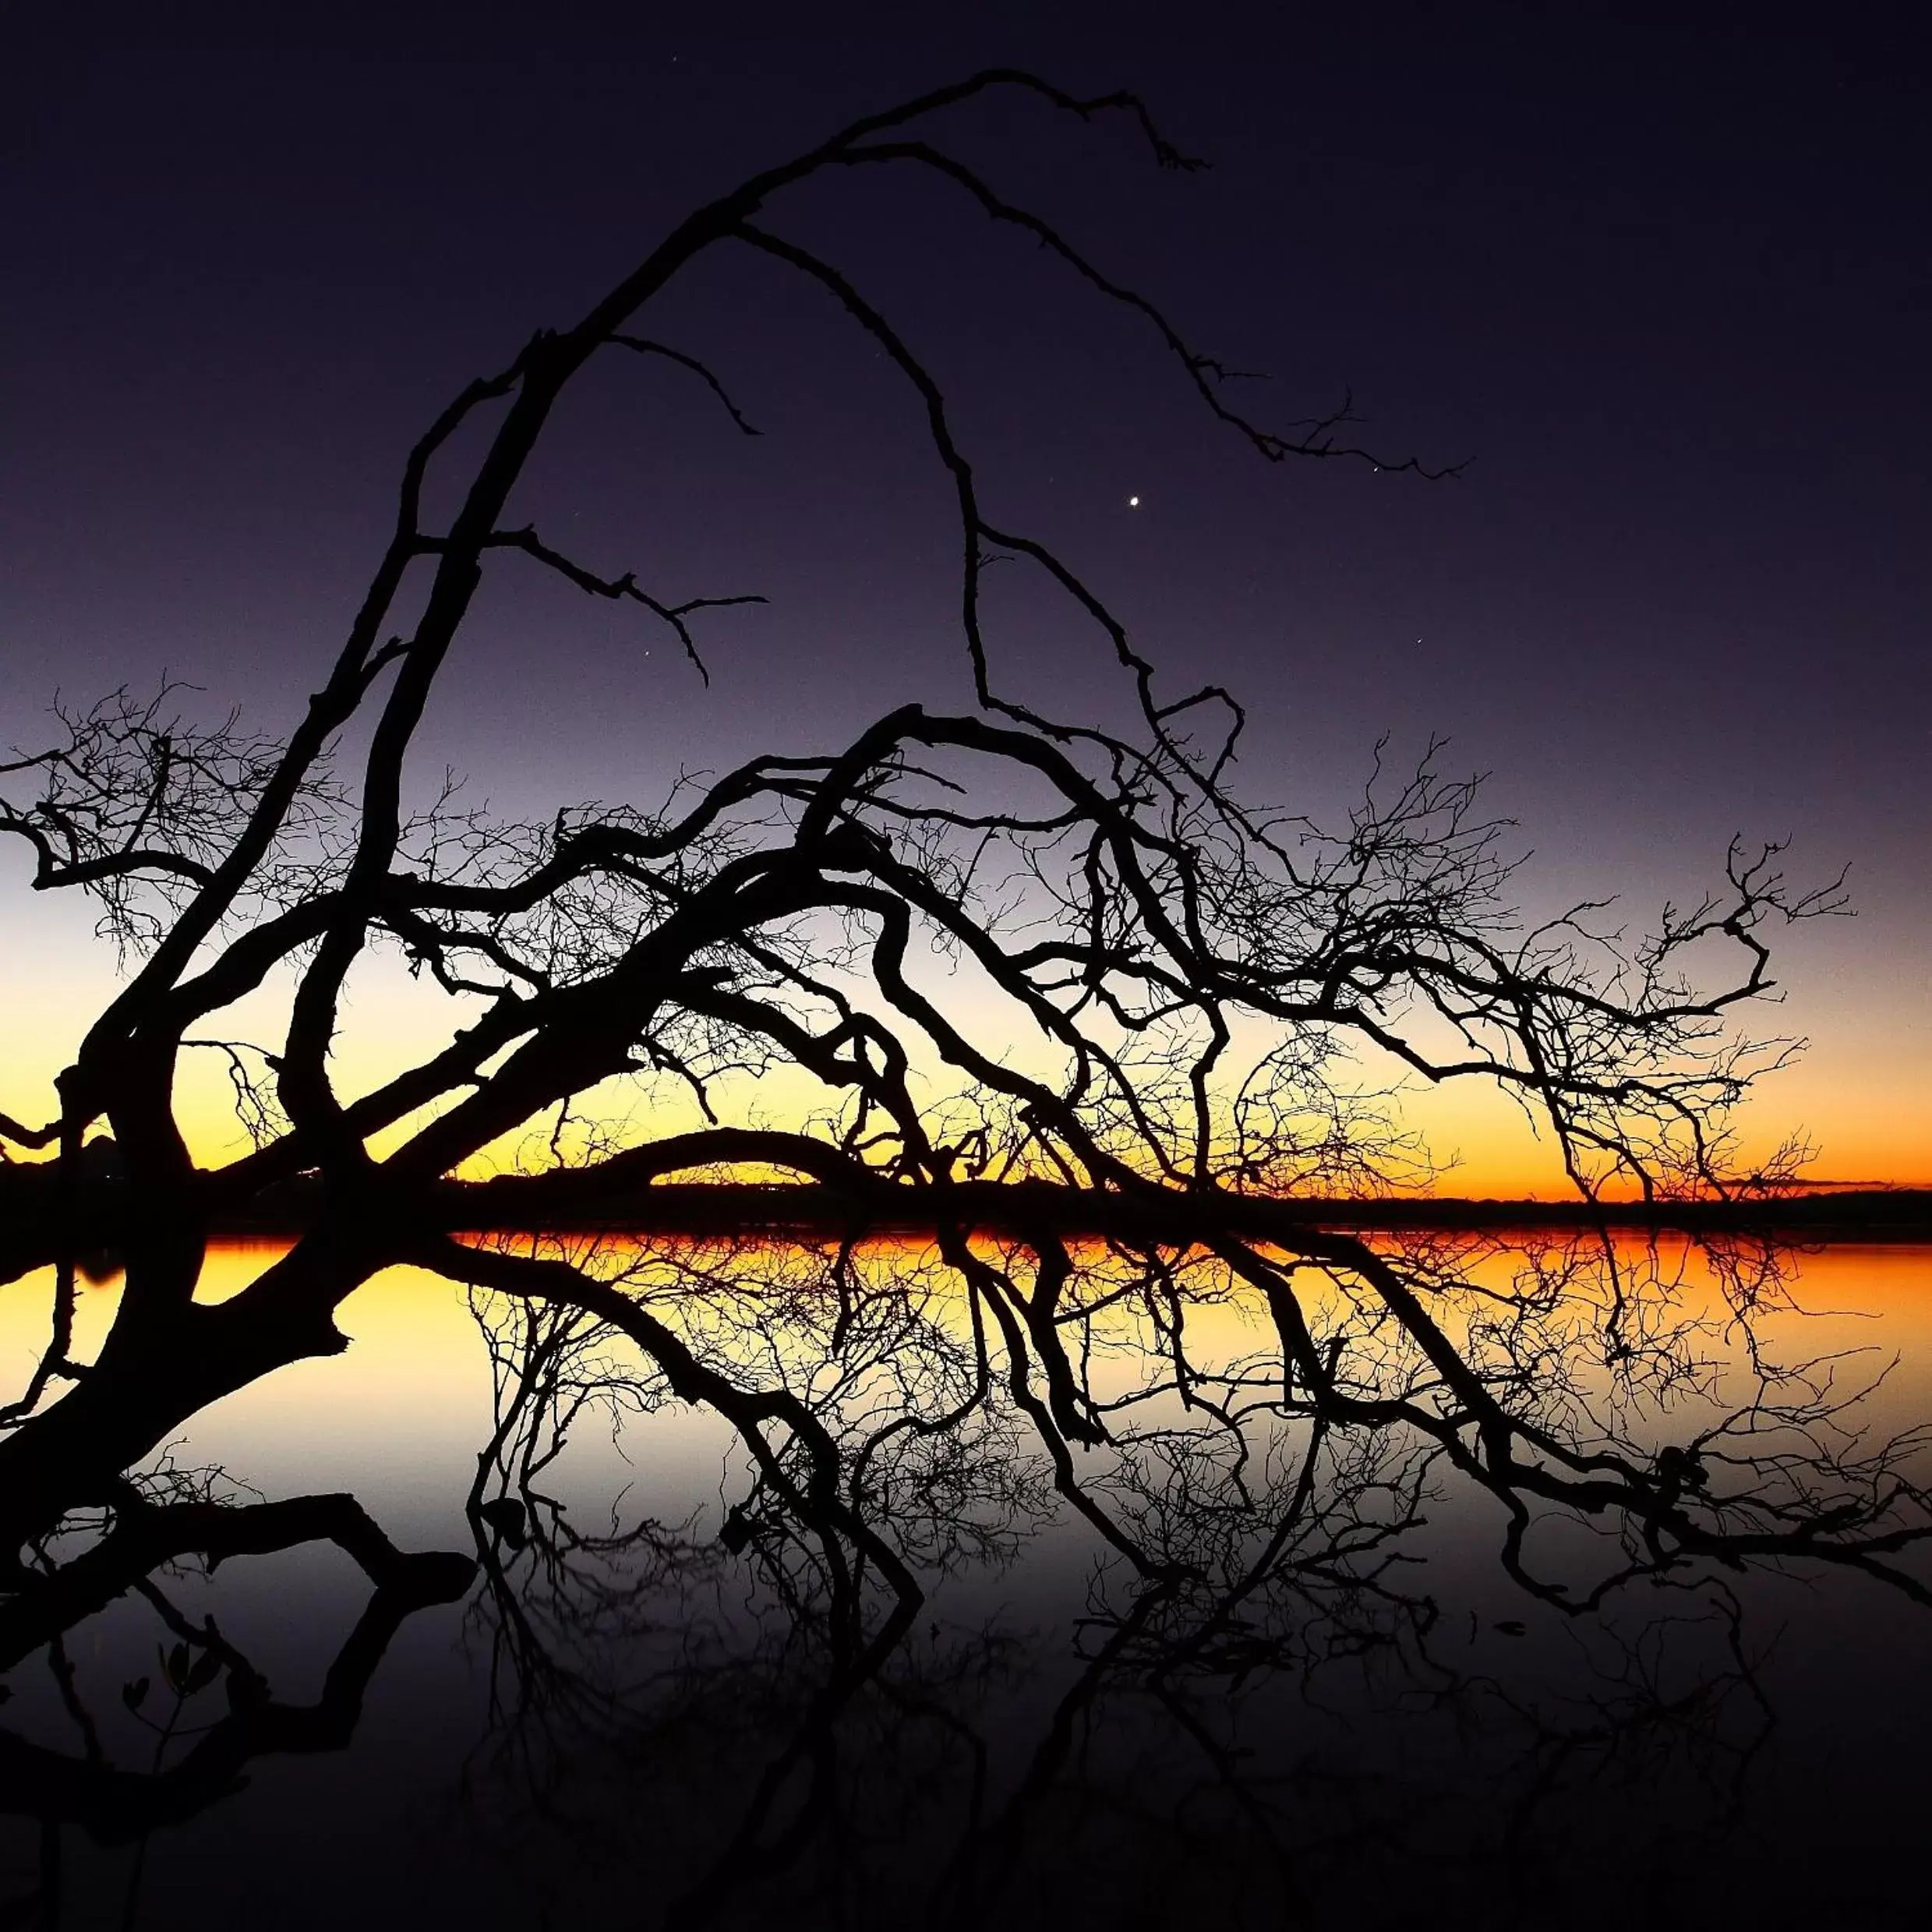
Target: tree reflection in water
x,y
1255,1573
800,1702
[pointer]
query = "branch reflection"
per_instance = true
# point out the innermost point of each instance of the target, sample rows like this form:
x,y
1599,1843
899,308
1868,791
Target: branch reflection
x,y
1275,1659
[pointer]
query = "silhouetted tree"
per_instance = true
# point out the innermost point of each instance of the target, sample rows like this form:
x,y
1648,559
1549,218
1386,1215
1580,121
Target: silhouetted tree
x,y
1190,987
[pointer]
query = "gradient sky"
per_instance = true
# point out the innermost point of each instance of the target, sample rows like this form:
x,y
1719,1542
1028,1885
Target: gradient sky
x,y
1662,285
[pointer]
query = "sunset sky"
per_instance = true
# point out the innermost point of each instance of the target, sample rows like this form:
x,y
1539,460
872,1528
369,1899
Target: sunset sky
x,y
1662,288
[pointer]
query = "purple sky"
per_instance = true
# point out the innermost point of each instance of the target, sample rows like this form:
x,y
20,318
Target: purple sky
x,y
1664,288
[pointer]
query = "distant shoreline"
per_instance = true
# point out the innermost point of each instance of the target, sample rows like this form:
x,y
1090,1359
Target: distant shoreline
x,y
560,1203
32,1231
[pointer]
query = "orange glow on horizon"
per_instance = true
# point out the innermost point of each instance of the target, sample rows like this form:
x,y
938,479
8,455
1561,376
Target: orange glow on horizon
x,y
1863,1094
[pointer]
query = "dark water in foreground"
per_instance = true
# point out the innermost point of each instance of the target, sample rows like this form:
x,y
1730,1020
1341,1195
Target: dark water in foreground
x,y
628,1719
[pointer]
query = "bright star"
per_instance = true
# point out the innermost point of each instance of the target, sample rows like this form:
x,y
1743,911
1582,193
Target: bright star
x,y
1133,503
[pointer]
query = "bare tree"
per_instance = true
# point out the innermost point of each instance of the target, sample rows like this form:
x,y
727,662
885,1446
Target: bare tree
x,y
1194,993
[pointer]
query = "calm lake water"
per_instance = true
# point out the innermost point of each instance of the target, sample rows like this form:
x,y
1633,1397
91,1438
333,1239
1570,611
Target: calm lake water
x,y
629,1719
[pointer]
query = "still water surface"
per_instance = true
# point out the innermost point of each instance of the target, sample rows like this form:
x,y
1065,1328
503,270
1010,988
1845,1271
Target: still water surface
x,y
631,1723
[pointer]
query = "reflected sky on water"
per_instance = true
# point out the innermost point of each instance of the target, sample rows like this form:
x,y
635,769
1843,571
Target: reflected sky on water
x,y
628,1714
